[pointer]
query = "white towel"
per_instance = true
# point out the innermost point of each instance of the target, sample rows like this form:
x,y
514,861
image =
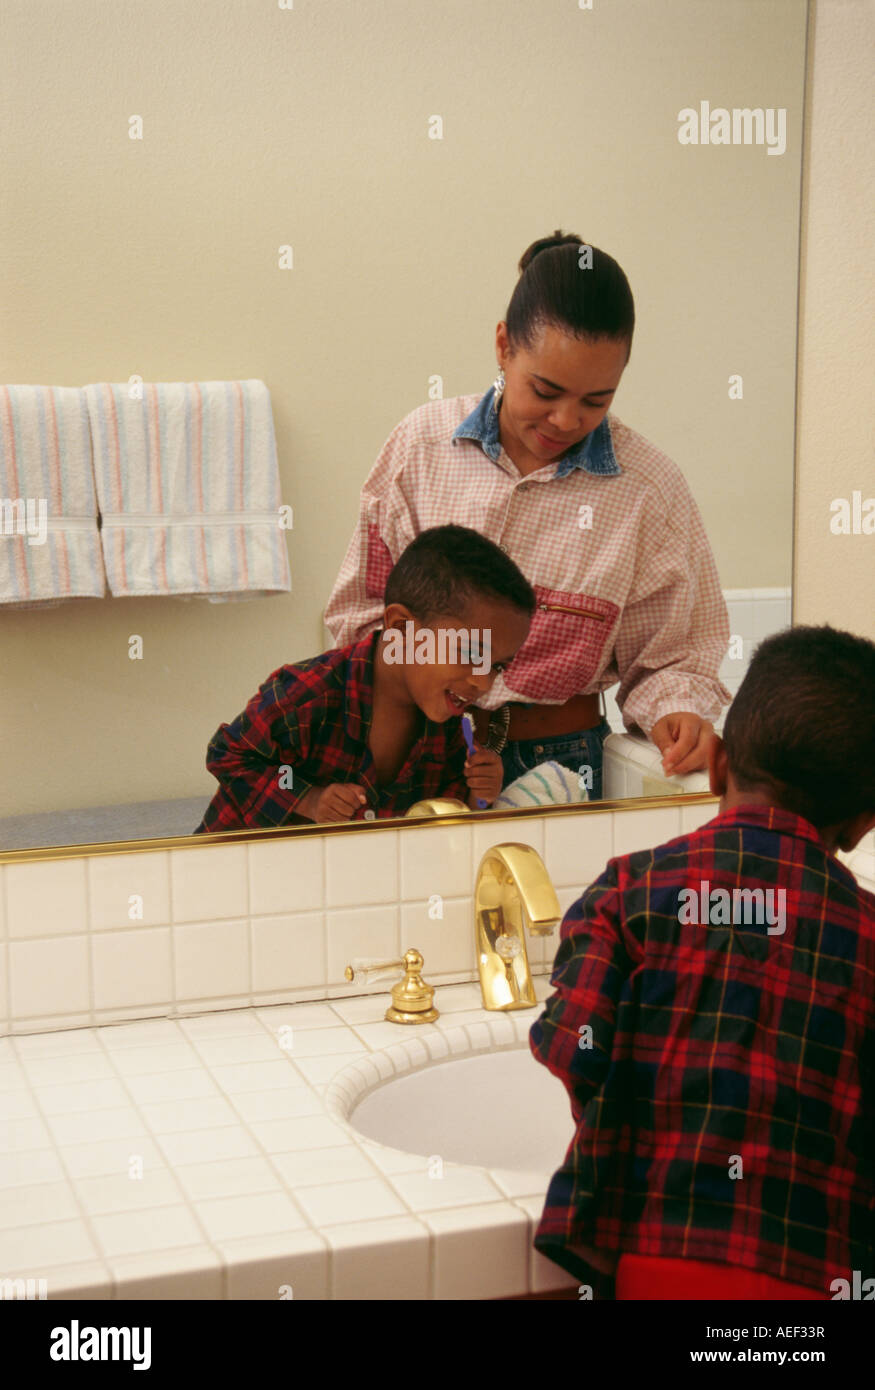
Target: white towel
x,y
49,542
188,488
548,784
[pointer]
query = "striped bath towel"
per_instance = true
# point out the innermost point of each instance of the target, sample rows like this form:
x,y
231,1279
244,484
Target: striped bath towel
x,y
189,490
548,784
49,542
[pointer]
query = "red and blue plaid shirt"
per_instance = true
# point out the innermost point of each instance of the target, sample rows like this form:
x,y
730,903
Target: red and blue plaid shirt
x,y
313,719
713,1044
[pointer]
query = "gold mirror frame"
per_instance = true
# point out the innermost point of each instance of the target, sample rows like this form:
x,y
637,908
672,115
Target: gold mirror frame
x,y
279,832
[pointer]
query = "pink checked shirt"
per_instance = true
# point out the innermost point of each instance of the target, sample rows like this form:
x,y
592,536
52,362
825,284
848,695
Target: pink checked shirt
x,y
609,537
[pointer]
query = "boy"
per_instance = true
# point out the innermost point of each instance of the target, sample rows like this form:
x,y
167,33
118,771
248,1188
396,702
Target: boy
x,y
718,1043
368,729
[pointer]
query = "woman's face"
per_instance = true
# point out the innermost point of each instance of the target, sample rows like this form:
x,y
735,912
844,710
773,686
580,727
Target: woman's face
x,y
558,392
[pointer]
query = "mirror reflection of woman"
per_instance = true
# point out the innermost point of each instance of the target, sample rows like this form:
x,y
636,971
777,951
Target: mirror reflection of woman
x,y
600,521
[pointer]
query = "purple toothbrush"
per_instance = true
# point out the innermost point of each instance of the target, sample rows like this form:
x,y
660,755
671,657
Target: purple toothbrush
x,y
468,731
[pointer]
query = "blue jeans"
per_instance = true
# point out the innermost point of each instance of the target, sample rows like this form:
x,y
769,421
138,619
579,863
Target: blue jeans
x,y
574,751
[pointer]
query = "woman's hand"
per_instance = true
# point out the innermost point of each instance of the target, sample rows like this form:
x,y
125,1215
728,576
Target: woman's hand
x,y
338,801
484,774
683,740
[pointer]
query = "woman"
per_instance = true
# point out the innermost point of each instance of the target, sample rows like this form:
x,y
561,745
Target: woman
x,y
602,524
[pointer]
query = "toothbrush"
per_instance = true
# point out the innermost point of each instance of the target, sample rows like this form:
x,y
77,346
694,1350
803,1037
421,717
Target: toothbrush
x,y
468,731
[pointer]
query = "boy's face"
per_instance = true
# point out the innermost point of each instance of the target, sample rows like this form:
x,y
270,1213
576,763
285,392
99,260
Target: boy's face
x,y
448,663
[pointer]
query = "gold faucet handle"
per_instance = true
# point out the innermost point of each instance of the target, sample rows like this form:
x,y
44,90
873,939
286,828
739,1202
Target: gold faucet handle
x,y
412,998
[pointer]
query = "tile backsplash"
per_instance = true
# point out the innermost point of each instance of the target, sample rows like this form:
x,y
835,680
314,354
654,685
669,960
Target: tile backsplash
x,y
109,937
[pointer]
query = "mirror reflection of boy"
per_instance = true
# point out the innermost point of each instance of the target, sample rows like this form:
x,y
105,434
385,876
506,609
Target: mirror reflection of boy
x,y
721,1065
359,733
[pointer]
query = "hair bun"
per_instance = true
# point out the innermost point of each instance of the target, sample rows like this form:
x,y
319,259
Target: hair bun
x,y
549,243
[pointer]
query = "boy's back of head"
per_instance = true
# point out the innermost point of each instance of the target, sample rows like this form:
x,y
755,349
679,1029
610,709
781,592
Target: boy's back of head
x,y
801,728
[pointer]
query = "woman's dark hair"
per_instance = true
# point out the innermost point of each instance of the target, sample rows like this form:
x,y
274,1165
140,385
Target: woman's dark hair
x,y
802,726
445,566
558,288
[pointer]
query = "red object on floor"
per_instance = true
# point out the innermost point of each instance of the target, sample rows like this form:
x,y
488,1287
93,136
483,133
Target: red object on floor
x,y
656,1277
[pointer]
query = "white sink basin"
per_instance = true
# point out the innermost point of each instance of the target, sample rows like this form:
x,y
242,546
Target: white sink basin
x,y
490,1109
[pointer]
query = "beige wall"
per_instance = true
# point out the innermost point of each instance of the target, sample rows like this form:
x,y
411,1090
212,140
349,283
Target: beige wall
x,y
834,576
309,127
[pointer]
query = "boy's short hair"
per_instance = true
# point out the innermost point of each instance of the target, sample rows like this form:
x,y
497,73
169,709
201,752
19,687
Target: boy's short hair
x,y
445,566
802,726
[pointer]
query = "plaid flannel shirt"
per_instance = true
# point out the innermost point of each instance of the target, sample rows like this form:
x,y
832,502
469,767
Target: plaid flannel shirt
x,y
314,718
710,1041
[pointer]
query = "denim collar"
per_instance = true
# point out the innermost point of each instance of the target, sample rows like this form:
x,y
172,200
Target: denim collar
x,y
594,453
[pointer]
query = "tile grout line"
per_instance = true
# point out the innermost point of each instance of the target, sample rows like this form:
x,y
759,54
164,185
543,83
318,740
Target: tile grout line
x,y
323,868
307,912
156,1140
89,946
310,1225
85,1215
250,931
218,1004
7,951
171,897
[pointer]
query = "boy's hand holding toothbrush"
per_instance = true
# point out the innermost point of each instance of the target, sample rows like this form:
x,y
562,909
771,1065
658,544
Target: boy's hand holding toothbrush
x,y
484,771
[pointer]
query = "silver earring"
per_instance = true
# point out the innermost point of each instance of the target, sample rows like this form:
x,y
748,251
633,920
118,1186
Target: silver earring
x,y
499,384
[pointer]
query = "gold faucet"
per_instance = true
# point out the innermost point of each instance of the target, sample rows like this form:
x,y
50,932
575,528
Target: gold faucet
x,y
412,998
513,891
438,806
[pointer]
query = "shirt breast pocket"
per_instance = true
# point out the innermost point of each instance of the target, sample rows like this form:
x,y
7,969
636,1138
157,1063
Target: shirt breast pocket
x,y
565,645
379,563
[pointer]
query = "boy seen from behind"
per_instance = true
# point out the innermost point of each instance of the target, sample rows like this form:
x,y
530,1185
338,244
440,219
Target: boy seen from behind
x,y
714,1015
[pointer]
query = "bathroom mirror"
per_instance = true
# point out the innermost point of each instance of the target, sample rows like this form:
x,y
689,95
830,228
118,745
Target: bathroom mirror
x,y
333,200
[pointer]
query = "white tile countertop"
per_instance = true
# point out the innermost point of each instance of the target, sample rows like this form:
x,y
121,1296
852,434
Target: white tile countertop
x,y
201,1158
